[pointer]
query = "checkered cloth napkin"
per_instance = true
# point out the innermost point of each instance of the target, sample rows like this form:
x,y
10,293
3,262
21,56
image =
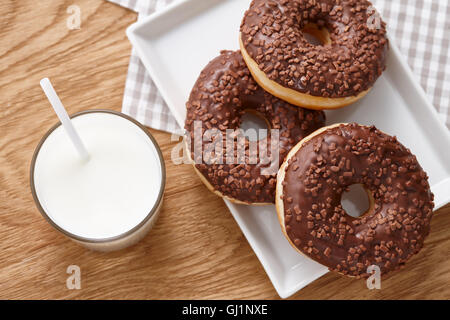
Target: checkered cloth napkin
x,y
420,28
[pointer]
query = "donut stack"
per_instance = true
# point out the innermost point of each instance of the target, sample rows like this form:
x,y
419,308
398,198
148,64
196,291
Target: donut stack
x,y
296,59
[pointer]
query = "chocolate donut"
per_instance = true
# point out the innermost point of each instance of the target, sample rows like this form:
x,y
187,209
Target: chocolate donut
x,y
334,73
223,92
321,167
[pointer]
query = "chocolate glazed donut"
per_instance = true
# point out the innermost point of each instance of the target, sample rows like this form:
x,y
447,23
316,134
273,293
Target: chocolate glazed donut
x,y
223,92
319,169
336,72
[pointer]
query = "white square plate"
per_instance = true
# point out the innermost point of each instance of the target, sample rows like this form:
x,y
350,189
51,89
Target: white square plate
x,y
175,44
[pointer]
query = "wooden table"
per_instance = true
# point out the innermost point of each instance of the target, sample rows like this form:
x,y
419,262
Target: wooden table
x,y
196,249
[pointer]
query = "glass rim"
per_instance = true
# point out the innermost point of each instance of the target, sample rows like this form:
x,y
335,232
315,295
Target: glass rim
x,y
119,236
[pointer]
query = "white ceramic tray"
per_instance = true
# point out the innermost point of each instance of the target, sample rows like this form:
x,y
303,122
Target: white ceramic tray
x,y
175,44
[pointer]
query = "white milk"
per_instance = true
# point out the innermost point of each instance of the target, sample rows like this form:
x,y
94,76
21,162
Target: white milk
x,y
111,193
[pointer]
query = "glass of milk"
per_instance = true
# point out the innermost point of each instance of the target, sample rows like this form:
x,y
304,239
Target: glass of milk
x,y
109,201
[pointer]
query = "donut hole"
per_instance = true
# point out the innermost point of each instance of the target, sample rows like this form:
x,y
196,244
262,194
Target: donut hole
x,y
254,125
316,35
356,200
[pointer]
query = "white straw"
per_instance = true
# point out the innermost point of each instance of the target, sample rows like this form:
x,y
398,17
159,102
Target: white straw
x,y
64,117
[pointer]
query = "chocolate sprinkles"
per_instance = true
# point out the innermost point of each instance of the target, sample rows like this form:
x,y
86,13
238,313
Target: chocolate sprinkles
x,y
272,35
389,233
223,92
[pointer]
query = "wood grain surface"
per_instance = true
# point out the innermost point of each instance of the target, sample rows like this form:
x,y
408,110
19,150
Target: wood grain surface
x,y
196,249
